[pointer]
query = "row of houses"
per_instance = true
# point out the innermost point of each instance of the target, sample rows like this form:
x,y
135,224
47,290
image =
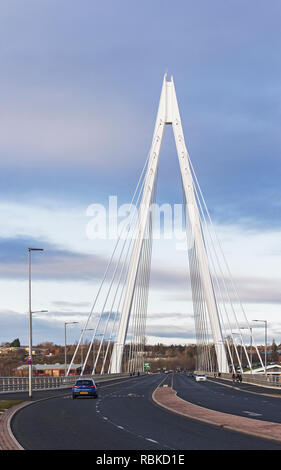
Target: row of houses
x,y
53,370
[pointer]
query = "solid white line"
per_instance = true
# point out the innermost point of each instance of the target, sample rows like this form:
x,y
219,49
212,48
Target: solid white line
x,y
151,440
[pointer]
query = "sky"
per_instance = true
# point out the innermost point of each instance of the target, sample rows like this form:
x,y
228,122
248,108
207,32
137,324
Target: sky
x,y
80,84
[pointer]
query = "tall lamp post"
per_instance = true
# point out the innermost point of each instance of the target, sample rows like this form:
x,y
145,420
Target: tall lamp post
x,y
265,346
30,322
66,323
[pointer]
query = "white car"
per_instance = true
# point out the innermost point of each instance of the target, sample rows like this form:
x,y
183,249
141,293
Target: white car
x,y
200,378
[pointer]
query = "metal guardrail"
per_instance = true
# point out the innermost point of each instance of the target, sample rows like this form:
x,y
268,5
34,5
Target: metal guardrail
x,y
270,381
20,384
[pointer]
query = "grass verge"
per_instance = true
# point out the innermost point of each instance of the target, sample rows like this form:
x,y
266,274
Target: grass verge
x,y
5,404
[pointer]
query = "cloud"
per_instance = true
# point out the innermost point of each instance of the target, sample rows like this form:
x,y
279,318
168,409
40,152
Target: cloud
x,y
50,327
62,265
170,332
70,305
53,263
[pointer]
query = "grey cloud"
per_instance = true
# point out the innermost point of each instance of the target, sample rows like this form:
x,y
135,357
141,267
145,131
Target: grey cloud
x,y
53,263
249,289
66,304
63,265
171,332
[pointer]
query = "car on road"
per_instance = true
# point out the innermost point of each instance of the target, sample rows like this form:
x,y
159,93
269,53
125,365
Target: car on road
x,y
200,377
84,387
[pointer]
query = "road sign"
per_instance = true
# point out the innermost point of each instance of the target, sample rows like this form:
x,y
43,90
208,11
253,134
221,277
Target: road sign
x,y
147,365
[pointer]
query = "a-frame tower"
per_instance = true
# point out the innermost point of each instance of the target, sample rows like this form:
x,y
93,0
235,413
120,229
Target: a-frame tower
x,y
168,113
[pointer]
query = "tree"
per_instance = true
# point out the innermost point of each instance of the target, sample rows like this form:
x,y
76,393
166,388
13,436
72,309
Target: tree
x,y
15,343
274,354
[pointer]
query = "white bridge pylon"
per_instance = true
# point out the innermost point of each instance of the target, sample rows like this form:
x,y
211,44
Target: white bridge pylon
x,y
119,309
168,114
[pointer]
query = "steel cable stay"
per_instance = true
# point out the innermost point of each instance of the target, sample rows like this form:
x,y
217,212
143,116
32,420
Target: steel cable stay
x,y
134,313
199,325
200,312
144,297
215,277
139,307
124,266
146,278
103,309
134,216
222,300
99,319
223,276
109,314
141,178
115,318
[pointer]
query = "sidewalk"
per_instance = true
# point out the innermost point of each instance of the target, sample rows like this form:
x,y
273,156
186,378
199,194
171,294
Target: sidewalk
x,y
7,440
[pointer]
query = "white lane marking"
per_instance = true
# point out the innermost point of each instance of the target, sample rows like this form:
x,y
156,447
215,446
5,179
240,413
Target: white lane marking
x,y
151,440
251,413
112,394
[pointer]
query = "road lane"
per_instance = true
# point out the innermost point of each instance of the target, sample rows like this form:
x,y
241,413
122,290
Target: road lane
x,y
228,399
124,417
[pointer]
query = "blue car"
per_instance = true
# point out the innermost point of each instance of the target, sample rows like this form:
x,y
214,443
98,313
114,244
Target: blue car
x,y
84,387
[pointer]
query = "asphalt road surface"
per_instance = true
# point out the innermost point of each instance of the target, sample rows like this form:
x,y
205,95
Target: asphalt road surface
x,y
237,400
124,417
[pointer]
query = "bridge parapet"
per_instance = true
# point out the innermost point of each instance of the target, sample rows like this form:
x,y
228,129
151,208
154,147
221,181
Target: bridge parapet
x,y
270,381
20,384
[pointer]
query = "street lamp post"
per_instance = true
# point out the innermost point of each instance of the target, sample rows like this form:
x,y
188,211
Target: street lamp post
x,y
251,350
30,322
65,360
265,346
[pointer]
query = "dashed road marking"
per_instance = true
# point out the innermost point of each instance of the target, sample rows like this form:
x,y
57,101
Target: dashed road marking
x,y
127,429
251,413
151,440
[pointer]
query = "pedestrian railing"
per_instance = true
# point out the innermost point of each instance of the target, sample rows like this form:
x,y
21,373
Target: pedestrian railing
x,y
20,384
271,381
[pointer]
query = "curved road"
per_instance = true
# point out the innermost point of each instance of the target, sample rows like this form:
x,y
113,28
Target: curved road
x,y
241,399
124,417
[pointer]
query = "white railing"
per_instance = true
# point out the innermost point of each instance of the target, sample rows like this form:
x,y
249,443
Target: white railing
x,y
20,384
271,381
